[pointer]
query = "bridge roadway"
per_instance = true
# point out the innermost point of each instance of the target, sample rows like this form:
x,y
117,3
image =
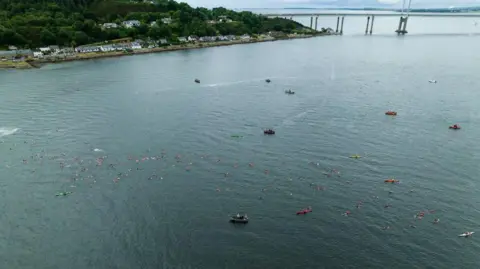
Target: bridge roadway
x,y
370,13
402,25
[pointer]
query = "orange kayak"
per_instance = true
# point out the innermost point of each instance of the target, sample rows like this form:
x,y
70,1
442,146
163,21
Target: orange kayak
x,y
391,113
391,180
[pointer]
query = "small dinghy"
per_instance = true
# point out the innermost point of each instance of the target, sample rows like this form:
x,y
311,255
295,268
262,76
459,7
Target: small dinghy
x,y
289,92
268,80
467,234
391,113
197,80
432,81
239,218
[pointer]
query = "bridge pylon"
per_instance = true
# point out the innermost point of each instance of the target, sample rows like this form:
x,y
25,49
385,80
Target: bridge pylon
x,y
402,26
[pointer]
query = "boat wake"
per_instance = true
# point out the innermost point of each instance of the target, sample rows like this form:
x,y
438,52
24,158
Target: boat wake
x,y
7,131
246,81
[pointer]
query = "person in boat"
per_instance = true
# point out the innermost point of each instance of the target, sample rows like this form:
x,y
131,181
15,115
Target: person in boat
x,y
238,215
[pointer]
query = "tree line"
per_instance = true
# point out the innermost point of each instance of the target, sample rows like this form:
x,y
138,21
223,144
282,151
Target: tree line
x,y
35,23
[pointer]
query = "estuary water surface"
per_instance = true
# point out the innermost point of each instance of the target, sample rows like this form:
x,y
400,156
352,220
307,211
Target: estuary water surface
x,y
81,127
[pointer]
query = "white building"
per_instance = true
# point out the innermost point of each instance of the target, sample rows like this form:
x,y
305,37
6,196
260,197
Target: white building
x,y
107,48
192,38
131,23
45,49
37,54
136,46
167,20
109,25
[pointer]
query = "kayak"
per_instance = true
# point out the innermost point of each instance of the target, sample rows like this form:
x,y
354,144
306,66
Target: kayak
x,y
236,136
356,156
467,234
304,211
391,181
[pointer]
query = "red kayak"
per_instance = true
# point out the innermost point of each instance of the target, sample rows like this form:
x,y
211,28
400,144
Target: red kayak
x,y
454,127
304,211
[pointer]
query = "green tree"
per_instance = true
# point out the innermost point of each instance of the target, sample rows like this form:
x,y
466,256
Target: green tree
x,y
80,38
47,37
63,37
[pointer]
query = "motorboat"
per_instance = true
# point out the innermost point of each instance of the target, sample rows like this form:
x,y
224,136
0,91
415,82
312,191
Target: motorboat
x,y
197,80
269,132
239,218
289,92
467,234
268,80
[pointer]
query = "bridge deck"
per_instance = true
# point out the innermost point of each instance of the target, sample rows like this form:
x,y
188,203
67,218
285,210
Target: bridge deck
x,y
393,14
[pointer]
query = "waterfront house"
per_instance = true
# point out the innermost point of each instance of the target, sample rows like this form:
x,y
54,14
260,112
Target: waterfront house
x,y
136,46
182,39
87,49
122,46
12,48
230,37
45,50
208,39
54,49
167,20
109,25
193,38
37,54
12,54
163,41
245,37
107,48
153,23
211,22
67,51
131,23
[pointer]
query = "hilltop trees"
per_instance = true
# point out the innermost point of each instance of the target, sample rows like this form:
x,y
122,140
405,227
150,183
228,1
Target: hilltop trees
x,y
33,23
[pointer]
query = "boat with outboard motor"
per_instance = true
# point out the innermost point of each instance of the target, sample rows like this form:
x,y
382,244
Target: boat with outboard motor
x,y
269,132
239,218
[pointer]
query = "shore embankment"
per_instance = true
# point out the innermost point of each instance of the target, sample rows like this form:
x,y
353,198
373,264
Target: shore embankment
x,y
36,63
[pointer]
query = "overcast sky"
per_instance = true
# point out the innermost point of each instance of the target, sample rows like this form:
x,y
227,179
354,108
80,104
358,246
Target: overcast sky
x,y
323,3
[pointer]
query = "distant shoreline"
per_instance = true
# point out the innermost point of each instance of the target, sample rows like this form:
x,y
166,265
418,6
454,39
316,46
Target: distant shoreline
x,y
37,63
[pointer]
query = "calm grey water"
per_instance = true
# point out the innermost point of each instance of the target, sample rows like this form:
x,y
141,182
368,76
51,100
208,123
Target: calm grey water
x,y
171,211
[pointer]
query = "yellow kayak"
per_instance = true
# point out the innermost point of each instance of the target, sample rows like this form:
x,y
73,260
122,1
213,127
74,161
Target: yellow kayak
x,y
356,156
